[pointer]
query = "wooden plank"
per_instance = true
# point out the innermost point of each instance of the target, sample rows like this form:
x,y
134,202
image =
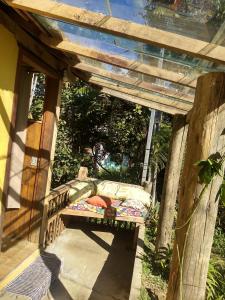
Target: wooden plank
x,y
46,152
39,66
89,214
143,102
137,271
196,218
136,82
119,61
129,94
171,182
169,101
38,49
19,141
123,28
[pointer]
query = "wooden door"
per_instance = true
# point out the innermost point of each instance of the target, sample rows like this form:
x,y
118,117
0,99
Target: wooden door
x,y
18,222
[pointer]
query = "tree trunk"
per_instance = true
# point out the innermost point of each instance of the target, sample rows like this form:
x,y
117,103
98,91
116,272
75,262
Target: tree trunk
x,y
193,241
171,182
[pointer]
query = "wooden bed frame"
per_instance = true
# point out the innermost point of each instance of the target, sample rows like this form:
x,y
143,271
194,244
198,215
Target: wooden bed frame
x,y
139,221
90,214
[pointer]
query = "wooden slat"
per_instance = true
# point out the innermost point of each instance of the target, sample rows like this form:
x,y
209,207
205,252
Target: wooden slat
x,y
143,102
89,214
122,28
171,103
133,81
39,50
119,61
129,95
46,151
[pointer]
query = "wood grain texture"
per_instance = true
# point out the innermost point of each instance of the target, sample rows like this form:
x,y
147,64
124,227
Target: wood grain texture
x,y
17,222
171,182
154,101
46,152
123,28
205,138
187,79
133,81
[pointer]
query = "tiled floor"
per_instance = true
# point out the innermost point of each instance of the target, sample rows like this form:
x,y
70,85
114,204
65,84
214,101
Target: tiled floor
x,y
14,256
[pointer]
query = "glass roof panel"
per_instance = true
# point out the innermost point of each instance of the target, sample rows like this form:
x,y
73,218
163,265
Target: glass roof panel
x,y
128,49
137,89
139,77
198,19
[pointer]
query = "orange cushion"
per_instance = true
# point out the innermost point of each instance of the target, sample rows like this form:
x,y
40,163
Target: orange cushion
x,y
100,201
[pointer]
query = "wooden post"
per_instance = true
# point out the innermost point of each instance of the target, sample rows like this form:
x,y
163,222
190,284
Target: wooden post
x,y
46,153
19,140
171,182
193,242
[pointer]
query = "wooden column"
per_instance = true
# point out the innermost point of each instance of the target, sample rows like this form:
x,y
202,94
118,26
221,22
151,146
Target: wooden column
x,y
19,140
171,182
193,242
46,153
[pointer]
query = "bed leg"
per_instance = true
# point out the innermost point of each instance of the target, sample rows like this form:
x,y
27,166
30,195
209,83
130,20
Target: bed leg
x,y
135,238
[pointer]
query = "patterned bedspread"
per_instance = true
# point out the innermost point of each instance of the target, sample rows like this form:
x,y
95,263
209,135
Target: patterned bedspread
x,y
120,210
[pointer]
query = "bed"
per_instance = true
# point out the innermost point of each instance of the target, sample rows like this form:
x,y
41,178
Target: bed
x,y
129,203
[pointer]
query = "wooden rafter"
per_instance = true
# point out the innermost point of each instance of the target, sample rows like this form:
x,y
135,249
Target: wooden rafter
x,y
162,103
135,82
141,101
32,46
123,28
119,61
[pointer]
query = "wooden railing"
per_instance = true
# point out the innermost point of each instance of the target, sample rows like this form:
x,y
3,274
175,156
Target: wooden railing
x,y
52,223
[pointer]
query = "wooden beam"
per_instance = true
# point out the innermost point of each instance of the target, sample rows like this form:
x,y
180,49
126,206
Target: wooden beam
x,y
31,60
171,182
26,40
197,210
181,105
123,28
135,82
141,101
128,94
119,61
46,152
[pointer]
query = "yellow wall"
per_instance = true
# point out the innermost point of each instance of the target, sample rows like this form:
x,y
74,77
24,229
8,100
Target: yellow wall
x,y
8,65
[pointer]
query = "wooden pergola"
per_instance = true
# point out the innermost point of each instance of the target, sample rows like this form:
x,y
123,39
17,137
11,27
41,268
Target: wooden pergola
x,y
177,70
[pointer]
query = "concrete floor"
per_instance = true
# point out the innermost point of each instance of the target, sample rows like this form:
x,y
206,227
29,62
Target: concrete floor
x,y
14,256
95,264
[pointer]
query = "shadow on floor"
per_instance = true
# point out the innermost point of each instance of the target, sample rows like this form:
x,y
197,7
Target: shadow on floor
x,y
114,279
57,289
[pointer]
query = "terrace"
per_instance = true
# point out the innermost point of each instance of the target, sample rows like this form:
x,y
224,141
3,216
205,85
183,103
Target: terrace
x,y
164,55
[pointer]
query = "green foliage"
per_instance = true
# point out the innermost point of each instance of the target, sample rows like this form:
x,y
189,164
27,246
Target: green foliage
x,y
88,117
160,146
215,288
219,6
155,274
214,280
163,259
129,175
36,109
209,168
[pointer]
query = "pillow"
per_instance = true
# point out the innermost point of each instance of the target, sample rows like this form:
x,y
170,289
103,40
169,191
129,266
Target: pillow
x,y
81,190
118,190
135,204
100,201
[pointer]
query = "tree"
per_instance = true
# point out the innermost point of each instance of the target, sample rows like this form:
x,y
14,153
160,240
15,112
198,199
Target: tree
x,y
89,116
